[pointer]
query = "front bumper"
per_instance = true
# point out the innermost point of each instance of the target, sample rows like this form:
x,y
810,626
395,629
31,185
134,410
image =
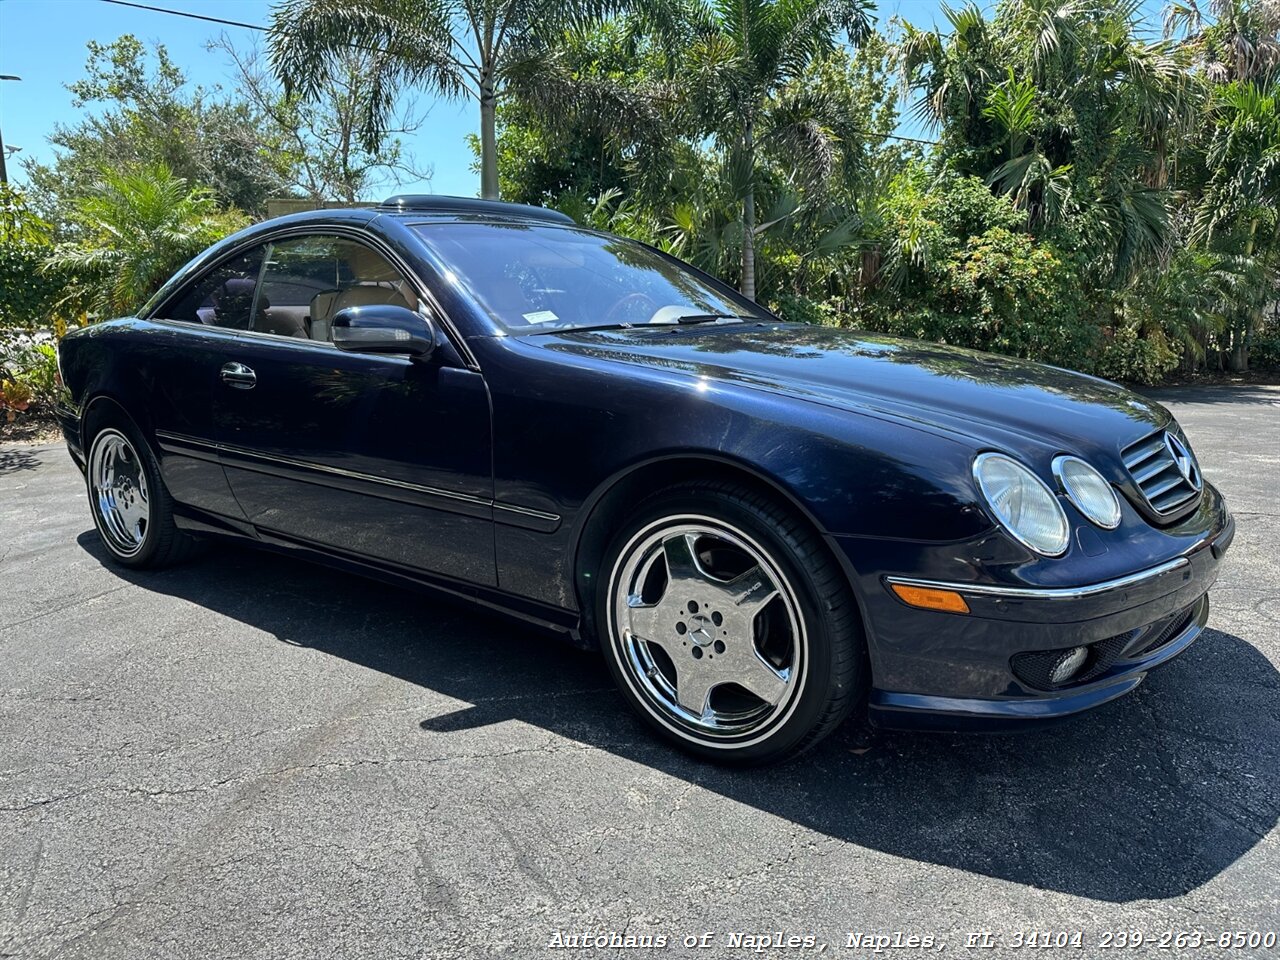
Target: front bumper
x,y
949,671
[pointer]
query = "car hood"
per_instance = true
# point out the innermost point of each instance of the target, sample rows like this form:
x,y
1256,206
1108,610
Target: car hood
x,y
991,400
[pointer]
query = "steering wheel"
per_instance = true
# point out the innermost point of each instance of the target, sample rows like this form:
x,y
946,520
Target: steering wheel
x,y
615,312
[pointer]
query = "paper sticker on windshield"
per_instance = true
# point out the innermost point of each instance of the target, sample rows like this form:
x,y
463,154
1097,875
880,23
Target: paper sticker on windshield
x,y
540,316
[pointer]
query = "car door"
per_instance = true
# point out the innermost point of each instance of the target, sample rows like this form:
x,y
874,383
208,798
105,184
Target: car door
x,y
375,456
178,362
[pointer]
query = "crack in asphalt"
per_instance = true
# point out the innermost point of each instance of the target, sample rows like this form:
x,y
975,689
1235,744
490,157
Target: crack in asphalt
x,y
78,602
267,775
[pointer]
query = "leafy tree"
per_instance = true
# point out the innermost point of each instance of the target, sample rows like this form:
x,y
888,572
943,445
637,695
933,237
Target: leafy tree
x,y
740,64
960,268
323,155
132,233
450,47
1232,157
619,146
1063,108
591,117
150,115
1237,42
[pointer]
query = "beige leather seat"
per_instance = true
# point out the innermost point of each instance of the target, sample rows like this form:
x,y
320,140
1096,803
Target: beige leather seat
x,y
326,305
320,313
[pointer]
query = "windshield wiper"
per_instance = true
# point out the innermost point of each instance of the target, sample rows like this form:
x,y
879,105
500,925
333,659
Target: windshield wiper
x,y
686,319
706,318
598,326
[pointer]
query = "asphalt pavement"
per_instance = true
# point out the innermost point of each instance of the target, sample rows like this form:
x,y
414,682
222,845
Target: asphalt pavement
x,y
253,757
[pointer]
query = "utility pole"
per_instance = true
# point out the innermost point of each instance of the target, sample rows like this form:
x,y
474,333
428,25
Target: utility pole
x,y
4,174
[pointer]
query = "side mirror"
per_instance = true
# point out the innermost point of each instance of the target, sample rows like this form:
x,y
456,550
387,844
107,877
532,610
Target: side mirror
x,y
383,328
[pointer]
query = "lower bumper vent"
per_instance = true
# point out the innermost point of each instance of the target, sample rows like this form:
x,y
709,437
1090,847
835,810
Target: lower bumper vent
x,y
1160,634
1035,668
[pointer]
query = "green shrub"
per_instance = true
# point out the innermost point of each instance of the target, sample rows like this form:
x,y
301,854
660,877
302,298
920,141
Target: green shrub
x,y
28,375
1264,353
1138,356
132,233
28,294
1000,291
797,309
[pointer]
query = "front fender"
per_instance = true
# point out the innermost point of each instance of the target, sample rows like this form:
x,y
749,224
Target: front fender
x,y
568,429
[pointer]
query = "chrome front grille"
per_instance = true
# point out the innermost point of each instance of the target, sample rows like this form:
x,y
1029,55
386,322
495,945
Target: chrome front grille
x,y
1164,470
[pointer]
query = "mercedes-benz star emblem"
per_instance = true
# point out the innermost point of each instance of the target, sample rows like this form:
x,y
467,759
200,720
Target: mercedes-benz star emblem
x,y
1182,459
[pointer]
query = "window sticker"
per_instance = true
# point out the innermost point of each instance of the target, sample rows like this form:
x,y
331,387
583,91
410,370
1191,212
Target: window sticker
x,y
540,316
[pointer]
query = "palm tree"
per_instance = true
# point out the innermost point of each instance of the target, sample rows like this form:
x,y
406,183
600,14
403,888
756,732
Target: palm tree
x,y
1243,190
132,233
455,48
742,56
1236,48
1059,106
1238,42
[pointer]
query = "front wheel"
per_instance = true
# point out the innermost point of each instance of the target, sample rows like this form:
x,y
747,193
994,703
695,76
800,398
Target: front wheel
x,y
729,628
131,507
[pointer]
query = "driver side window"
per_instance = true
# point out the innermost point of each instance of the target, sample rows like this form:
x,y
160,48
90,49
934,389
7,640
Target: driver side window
x,y
307,280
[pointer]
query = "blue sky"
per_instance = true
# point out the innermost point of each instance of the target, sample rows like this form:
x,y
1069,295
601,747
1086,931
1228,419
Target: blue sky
x,y
43,41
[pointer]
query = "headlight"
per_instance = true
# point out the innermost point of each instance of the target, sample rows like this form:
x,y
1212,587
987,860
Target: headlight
x,y
1089,491
1025,507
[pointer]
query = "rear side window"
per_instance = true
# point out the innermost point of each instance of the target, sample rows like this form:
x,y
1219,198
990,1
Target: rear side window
x,y
223,297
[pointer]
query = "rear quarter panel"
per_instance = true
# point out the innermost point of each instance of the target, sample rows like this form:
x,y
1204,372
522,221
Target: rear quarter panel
x,y
163,375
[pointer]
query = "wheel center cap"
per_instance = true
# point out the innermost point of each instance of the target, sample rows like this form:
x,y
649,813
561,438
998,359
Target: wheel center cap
x,y
700,631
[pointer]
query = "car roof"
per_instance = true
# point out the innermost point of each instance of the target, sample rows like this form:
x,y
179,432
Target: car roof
x,y
440,205
417,208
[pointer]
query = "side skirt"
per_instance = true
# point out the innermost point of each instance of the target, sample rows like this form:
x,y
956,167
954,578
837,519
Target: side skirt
x,y
566,623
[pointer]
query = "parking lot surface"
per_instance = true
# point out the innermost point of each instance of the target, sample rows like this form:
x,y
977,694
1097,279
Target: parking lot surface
x,y
249,756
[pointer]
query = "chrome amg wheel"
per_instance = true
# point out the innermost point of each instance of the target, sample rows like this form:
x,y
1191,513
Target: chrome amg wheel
x,y
707,631
118,483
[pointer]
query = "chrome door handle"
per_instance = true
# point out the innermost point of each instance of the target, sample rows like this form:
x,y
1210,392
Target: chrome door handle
x,y
239,376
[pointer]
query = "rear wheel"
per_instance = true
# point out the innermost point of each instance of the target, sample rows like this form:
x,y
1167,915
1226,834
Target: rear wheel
x,y
729,628
131,507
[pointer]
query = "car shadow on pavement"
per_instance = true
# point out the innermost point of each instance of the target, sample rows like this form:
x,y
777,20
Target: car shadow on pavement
x,y
13,460
1148,797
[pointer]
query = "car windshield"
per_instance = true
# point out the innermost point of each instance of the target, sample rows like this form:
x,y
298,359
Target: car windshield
x,y
535,278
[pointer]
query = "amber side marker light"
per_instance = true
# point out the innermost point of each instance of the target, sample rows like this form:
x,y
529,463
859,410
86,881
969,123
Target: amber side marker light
x,y
929,598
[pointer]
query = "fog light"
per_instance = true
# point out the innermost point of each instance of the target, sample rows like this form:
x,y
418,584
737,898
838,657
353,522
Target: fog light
x,y
1068,665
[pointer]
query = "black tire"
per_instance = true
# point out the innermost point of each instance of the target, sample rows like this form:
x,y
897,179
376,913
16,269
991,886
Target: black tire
x,y
162,544
822,661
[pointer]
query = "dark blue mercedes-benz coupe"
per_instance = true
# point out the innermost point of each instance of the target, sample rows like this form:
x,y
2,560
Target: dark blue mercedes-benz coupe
x,y
763,526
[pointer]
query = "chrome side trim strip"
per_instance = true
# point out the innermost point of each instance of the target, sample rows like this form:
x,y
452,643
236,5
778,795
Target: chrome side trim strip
x,y
511,508
1047,593
183,438
527,511
353,475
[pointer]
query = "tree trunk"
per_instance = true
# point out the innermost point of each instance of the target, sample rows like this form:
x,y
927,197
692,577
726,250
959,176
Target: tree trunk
x,y
749,215
1241,336
488,140
1239,360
